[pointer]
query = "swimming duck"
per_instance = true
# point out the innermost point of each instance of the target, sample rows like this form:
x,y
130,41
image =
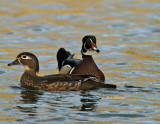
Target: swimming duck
x,y
87,65
57,82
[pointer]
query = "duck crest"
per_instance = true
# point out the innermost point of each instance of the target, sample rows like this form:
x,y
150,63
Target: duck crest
x,y
89,67
66,61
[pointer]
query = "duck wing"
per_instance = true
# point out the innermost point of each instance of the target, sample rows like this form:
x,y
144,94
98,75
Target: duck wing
x,y
63,82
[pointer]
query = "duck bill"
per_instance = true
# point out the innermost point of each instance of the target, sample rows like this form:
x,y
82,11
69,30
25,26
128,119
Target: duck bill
x,y
15,62
94,47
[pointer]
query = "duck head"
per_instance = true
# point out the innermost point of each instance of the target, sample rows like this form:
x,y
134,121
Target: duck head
x,y
89,45
28,60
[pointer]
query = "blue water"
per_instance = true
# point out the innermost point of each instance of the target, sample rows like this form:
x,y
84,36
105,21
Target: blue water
x,y
128,36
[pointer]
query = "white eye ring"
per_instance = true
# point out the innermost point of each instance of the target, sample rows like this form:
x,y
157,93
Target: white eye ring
x,y
25,57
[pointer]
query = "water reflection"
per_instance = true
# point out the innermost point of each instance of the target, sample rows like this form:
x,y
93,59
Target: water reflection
x,y
89,101
1,72
128,37
30,95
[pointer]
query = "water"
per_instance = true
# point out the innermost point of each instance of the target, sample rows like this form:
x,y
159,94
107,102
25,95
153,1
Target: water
x,y
128,35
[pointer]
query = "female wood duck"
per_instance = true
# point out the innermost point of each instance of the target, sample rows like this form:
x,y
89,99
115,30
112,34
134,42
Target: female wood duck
x,y
57,82
87,66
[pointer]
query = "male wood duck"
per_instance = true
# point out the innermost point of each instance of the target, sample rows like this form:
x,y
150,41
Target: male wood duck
x,y
87,65
57,82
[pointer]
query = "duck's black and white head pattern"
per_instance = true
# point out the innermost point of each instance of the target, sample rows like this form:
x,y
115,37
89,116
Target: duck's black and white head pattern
x,y
28,60
89,45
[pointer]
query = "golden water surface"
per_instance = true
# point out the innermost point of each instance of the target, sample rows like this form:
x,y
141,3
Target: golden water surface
x,y
128,35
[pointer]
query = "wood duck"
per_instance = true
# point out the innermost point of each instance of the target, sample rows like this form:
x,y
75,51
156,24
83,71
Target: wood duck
x,y
57,82
87,65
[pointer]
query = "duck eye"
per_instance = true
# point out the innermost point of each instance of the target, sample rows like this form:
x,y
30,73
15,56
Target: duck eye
x,y
88,40
24,57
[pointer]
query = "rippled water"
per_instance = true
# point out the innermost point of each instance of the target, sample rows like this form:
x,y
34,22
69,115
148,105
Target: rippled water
x,y
128,35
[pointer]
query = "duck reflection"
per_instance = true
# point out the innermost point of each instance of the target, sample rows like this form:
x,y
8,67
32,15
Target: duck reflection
x,y
89,102
30,97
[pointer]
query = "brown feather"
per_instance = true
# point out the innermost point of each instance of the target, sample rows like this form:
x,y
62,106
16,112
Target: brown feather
x,y
89,67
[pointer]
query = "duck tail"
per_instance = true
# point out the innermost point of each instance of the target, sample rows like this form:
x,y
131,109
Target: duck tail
x,y
103,85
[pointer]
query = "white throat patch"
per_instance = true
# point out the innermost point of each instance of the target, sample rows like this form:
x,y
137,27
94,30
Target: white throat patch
x,y
89,52
26,67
